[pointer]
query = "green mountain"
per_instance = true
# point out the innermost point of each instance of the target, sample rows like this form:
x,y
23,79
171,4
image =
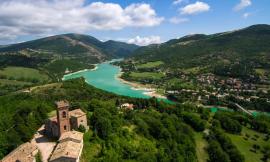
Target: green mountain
x,y
73,46
248,46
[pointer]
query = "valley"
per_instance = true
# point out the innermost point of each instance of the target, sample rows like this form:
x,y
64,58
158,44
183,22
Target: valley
x,y
177,101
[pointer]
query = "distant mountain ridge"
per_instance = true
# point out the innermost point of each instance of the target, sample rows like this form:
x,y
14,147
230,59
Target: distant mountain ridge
x,y
73,45
248,45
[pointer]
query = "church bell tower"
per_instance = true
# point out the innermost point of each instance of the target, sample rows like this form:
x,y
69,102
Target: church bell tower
x,y
63,117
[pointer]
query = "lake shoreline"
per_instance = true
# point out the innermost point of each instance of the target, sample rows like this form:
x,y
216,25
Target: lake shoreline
x,y
80,71
149,91
146,91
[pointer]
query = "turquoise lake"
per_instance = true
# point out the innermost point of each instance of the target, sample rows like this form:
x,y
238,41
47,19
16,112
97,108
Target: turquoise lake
x,y
105,78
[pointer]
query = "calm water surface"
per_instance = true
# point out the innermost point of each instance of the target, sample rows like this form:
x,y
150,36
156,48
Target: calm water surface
x,y
105,78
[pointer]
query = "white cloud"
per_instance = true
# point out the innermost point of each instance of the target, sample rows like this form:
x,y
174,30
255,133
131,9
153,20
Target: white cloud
x,y
195,8
246,15
243,4
143,41
178,20
44,17
177,2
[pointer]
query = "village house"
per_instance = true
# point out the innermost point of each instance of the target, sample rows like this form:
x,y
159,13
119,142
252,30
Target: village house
x,y
24,153
65,120
127,106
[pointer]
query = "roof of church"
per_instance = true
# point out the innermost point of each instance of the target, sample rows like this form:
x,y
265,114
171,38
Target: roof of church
x,y
72,135
23,153
76,113
67,147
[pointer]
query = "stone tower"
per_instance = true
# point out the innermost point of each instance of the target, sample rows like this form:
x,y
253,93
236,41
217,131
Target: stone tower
x,y
63,117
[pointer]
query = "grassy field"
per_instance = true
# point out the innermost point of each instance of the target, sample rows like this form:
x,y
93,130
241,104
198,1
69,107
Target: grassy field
x,y
52,114
150,64
196,70
147,75
260,72
244,146
13,82
201,145
22,72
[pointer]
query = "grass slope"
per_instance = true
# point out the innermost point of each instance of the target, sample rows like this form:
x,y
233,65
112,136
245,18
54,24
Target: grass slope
x,y
201,145
147,75
150,64
244,146
22,72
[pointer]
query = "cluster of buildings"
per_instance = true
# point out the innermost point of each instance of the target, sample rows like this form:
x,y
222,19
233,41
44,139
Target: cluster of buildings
x,y
219,87
62,127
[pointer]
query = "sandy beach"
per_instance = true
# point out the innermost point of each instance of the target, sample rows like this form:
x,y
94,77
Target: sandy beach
x,y
84,70
149,91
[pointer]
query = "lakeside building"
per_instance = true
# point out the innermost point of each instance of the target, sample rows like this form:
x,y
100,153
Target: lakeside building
x,y
65,120
24,153
127,106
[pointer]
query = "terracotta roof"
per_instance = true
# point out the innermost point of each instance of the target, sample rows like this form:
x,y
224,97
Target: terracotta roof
x,y
76,113
23,153
62,103
69,146
68,149
75,135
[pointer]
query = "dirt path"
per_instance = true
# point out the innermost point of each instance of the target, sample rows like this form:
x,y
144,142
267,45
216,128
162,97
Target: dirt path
x,y
44,144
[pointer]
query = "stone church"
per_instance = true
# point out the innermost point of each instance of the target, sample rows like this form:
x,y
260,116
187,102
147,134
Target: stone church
x,y
65,120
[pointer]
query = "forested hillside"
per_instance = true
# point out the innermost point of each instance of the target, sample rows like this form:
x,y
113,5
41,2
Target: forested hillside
x,y
71,45
153,131
227,52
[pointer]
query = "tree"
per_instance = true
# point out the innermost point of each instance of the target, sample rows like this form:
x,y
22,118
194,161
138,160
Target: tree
x,y
103,127
216,153
81,128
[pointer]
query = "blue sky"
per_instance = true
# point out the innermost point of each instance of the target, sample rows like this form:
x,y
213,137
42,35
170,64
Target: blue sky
x,y
133,21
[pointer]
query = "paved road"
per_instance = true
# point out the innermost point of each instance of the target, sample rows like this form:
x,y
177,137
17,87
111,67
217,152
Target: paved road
x,y
44,144
242,109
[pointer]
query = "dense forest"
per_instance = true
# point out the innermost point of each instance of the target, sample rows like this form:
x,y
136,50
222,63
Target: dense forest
x,y
153,131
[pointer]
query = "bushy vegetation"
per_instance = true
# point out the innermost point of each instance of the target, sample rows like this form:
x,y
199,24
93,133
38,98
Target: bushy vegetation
x,y
21,116
148,135
229,124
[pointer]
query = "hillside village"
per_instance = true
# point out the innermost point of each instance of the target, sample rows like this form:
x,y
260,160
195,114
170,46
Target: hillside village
x,y
201,86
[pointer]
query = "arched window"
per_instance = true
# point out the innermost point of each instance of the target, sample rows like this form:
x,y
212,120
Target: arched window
x,y
65,127
64,114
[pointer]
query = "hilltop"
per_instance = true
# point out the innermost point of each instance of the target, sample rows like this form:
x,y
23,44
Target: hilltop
x,y
71,45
